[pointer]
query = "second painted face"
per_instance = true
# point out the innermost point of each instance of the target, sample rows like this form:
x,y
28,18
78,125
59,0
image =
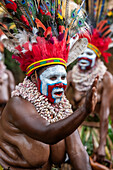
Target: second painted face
x,y
87,59
52,83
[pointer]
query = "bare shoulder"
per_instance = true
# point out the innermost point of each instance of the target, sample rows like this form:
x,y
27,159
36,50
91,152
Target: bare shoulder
x,y
10,77
19,107
69,76
108,79
9,72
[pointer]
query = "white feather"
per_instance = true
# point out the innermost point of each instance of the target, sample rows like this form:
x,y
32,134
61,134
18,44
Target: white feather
x,y
22,37
10,45
76,49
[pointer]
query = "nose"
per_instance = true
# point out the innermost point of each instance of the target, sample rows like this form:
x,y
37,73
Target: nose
x,y
60,85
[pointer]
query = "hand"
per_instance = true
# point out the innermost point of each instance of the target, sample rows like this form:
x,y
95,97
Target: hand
x,y
91,97
99,155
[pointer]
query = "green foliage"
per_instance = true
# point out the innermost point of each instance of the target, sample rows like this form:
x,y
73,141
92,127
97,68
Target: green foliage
x,y
110,129
87,139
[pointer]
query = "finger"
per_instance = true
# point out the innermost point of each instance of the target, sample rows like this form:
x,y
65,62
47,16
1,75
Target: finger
x,y
94,92
95,81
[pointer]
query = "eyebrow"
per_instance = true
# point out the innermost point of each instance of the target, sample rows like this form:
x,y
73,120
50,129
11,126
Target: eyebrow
x,y
55,74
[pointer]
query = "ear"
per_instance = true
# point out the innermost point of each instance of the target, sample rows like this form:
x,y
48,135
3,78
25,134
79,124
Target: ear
x,y
34,78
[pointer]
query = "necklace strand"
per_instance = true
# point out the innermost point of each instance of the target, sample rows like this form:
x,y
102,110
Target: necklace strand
x,y
50,112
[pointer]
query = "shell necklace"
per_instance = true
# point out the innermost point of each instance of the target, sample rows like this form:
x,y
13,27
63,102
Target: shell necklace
x,y
50,112
84,80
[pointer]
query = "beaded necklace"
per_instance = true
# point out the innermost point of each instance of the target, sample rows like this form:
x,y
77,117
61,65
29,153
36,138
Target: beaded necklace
x,y
50,112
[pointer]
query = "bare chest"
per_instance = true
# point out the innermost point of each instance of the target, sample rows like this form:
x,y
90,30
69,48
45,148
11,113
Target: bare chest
x,y
79,96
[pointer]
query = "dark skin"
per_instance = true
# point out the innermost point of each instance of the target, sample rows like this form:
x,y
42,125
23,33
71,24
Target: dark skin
x,y
105,94
29,141
7,84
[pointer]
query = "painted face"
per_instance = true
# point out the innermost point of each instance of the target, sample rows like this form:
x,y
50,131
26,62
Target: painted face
x,y
87,59
52,83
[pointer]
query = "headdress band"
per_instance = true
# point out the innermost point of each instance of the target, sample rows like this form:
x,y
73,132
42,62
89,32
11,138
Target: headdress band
x,y
44,62
95,49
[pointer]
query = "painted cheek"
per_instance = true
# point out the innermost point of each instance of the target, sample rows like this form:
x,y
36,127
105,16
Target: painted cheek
x,y
64,87
50,89
39,84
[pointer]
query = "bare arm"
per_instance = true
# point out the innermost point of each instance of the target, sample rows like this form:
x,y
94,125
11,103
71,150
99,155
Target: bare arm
x,y
69,78
24,116
11,81
70,90
78,156
107,95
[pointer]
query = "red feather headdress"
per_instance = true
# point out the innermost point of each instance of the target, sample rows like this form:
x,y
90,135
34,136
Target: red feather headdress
x,y
100,41
43,33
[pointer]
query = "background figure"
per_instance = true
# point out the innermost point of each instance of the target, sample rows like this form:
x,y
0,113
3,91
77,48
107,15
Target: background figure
x,y
80,78
7,82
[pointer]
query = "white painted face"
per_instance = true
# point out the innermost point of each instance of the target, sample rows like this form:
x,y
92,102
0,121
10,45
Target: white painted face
x,y
53,83
87,59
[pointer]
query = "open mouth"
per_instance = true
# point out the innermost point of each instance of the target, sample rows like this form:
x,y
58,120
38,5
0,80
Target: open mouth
x,y
83,63
58,93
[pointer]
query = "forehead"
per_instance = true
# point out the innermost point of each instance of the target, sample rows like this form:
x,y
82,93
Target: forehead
x,y
89,50
54,70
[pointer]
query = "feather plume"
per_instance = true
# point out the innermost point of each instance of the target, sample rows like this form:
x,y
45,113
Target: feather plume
x,y
43,29
10,46
7,33
76,49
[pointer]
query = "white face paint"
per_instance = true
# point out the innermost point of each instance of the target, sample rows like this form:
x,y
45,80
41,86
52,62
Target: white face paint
x,y
53,83
87,59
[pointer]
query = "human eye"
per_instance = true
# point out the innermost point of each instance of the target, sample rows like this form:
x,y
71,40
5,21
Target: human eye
x,y
53,77
63,77
89,53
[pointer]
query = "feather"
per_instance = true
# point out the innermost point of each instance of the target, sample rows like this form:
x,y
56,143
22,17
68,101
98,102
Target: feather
x,y
91,10
7,33
76,49
77,19
39,24
10,45
53,9
36,3
66,13
63,8
26,9
44,28
48,5
31,8
10,5
101,10
47,32
81,6
17,14
95,8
